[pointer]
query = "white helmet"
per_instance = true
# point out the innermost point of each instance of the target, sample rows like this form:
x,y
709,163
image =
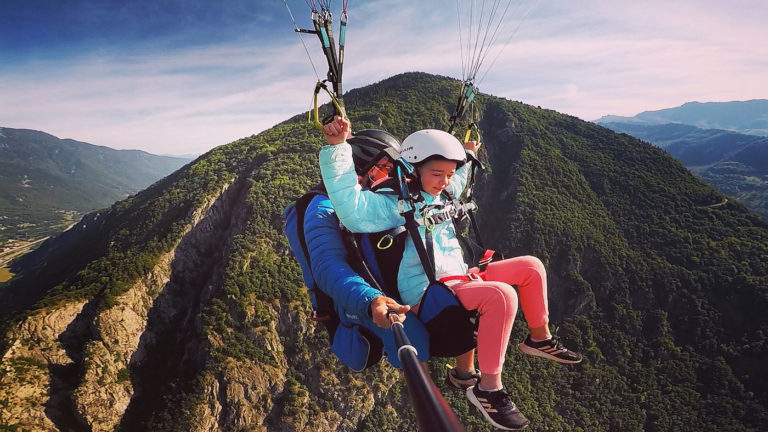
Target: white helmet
x,y
432,144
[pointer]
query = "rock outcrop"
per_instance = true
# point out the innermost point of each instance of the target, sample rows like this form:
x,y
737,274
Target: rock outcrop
x,y
25,379
70,365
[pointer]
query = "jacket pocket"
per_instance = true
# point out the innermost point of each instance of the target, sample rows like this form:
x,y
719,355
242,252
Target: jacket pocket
x,y
356,347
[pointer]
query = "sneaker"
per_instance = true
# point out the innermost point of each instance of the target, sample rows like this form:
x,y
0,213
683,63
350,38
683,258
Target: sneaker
x,y
454,381
497,408
551,349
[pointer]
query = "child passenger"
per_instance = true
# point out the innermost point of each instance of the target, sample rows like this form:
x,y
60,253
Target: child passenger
x,y
439,161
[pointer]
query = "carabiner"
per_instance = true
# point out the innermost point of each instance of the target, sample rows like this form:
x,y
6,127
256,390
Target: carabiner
x,y
388,237
429,224
316,111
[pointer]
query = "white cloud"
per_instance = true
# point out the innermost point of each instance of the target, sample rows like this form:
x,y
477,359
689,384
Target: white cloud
x,y
588,59
183,102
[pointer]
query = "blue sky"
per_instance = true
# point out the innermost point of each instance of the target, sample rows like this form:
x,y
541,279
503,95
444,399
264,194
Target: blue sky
x,y
184,76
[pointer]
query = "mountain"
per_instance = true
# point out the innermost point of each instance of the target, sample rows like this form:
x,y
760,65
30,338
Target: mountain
x,y
46,181
747,117
737,164
181,308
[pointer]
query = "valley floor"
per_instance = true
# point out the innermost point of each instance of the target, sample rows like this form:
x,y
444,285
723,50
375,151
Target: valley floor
x,y
14,249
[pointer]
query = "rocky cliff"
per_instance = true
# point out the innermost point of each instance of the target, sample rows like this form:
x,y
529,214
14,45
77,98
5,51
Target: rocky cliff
x,y
82,351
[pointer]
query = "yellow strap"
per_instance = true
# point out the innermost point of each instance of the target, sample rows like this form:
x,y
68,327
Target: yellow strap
x,y
468,135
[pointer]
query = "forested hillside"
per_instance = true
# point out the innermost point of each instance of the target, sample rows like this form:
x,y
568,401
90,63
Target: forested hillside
x,y
186,310
735,163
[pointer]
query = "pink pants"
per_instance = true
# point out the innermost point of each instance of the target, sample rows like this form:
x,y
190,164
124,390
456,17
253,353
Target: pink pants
x,y
496,301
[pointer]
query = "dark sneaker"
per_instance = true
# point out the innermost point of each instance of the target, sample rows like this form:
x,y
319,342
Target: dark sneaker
x,y
497,408
551,349
453,380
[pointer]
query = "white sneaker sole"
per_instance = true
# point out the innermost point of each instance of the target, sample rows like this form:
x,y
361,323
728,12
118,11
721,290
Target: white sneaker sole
x,y
462,385
538,353
472,398
459,384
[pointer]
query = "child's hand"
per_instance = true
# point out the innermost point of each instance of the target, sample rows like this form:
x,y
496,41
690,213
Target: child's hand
x,y
473,146
337,131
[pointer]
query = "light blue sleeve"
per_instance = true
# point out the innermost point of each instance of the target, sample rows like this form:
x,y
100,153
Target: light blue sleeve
x,y
459,180
358,209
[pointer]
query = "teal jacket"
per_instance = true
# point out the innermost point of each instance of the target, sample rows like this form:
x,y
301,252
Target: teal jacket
x,y
365,211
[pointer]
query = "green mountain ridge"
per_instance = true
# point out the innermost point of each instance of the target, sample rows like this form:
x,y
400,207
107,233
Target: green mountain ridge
x,y
737,164
187,311
43,179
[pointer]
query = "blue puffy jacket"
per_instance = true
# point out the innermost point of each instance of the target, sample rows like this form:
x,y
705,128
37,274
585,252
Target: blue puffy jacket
x,y
351,294
366,211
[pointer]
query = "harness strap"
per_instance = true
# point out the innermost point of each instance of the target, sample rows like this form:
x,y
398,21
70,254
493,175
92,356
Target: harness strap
x,y
486,258
388,239
476,230
342,38
406,206
430,246
323,308
323,22
425,255
353,248
480,276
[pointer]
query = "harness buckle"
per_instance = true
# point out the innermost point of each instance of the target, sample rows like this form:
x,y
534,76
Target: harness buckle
x,y
429,224
474,277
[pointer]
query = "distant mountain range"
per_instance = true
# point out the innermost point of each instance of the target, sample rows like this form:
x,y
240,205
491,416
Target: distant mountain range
x,y
47,182
734,162
747,117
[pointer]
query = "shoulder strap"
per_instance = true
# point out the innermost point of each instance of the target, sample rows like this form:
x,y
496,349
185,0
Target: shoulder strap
x,y
408,199
361,265
323,307
475,166
301,208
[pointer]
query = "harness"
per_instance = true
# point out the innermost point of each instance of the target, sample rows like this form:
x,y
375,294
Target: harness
x,y
389,245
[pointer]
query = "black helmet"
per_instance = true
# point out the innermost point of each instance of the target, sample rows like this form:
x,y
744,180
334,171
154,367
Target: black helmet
x,y
369,146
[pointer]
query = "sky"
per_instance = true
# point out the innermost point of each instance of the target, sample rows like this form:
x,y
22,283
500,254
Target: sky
x,y
183,76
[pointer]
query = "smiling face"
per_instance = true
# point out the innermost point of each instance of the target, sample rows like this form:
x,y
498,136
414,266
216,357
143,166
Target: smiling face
x,y
435,175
